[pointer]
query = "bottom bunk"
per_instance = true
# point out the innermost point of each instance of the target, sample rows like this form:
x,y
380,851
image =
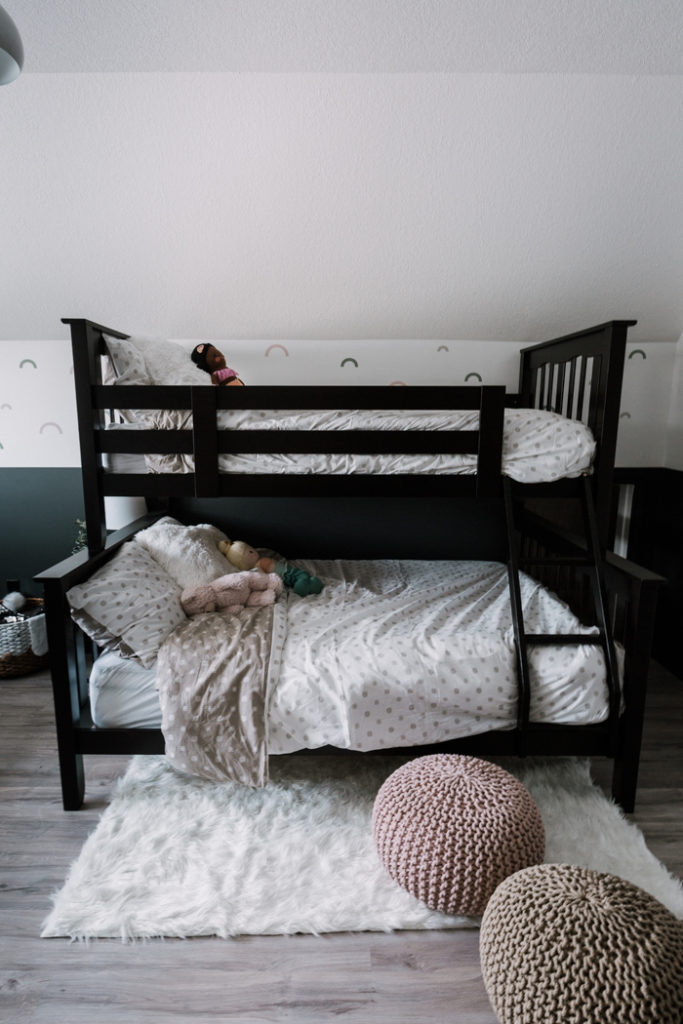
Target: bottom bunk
x,y
392,654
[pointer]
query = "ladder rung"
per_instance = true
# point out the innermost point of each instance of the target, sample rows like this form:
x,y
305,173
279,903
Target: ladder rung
x,y
563,639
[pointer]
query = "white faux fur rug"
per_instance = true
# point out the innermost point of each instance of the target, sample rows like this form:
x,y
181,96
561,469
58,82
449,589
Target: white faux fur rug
x,y
177,856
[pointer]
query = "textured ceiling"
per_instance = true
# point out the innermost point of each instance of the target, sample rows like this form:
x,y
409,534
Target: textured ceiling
x,y
638,37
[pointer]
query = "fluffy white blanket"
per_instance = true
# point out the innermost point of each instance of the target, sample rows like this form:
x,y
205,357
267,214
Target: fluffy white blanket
x,y
189,554
175,855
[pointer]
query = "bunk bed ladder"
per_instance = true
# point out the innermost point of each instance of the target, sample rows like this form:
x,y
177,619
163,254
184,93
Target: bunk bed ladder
x,y
593,563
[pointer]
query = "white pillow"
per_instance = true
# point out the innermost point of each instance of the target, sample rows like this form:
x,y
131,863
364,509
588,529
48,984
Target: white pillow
x,y
189,554
167,362
140,360
130,603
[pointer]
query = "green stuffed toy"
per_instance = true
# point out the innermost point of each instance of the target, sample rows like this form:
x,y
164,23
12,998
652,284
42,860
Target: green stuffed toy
x,y
298,580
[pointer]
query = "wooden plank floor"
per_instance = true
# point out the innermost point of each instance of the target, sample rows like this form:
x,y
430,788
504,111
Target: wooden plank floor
x,y
403,978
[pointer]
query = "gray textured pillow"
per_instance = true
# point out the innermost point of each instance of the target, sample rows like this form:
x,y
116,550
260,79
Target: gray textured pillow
x,y
127,367
131,603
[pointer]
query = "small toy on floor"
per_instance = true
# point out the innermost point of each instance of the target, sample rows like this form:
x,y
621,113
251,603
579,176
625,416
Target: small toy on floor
x,y
232,593
243,556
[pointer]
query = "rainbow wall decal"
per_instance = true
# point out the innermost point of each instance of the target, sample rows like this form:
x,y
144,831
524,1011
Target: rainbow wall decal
x,y
6,405
23,363
50,424
476,375
349,359
271,348
625,416
442,348
637,352
397,384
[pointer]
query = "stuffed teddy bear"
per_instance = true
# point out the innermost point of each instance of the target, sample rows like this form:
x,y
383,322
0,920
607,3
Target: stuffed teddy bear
x,y
243,556
232,593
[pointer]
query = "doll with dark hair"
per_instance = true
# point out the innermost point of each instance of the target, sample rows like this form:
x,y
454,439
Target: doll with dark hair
x,y
208,358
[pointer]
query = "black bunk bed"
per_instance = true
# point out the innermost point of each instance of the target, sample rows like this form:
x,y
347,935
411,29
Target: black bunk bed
x,y
359,515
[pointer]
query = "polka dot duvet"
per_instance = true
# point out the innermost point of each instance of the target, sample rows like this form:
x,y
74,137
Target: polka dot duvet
x,y
396,653
538,446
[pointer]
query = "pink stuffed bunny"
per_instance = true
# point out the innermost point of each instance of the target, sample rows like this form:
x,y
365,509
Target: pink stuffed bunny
x,y
232,593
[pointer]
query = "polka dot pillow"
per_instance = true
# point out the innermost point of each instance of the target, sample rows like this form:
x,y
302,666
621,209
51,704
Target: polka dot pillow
x,y
128,361
131,603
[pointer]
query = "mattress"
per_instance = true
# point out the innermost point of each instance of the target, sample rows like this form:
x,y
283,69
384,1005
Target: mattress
x,y
396,653
538,446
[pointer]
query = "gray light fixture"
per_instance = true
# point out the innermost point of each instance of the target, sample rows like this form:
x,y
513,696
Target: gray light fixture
x,y
11,49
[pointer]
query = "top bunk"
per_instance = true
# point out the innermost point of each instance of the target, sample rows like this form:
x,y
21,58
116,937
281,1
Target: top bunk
x,y
151,424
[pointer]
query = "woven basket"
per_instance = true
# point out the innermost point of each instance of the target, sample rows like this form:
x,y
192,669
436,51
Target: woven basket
x,y
16,656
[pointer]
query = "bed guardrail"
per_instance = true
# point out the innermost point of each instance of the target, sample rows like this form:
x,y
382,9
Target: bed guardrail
x,y
207,439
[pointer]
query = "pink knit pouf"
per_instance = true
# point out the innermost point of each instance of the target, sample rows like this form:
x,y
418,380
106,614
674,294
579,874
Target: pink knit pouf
x,y
450,828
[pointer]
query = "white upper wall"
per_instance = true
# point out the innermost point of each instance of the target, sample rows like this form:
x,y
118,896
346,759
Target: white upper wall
x,y
342,205
344,168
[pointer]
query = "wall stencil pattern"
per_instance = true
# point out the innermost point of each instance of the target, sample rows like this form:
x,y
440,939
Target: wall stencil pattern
x,y
646,404
37,408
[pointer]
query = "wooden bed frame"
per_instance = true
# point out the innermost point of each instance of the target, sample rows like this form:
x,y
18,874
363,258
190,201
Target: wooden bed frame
x,y
363,516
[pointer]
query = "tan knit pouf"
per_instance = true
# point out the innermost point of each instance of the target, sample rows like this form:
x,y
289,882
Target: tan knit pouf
x,y
450,828
565,945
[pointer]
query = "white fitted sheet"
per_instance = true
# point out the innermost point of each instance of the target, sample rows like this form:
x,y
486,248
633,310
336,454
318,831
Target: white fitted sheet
x,y
396,653
538,446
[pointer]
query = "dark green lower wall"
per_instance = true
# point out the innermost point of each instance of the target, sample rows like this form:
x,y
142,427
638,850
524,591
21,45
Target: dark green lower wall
x,y
38,513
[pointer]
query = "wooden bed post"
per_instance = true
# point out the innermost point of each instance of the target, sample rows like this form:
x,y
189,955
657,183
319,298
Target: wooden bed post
x,y
87,347
66,688
605,400
643,588
85,371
